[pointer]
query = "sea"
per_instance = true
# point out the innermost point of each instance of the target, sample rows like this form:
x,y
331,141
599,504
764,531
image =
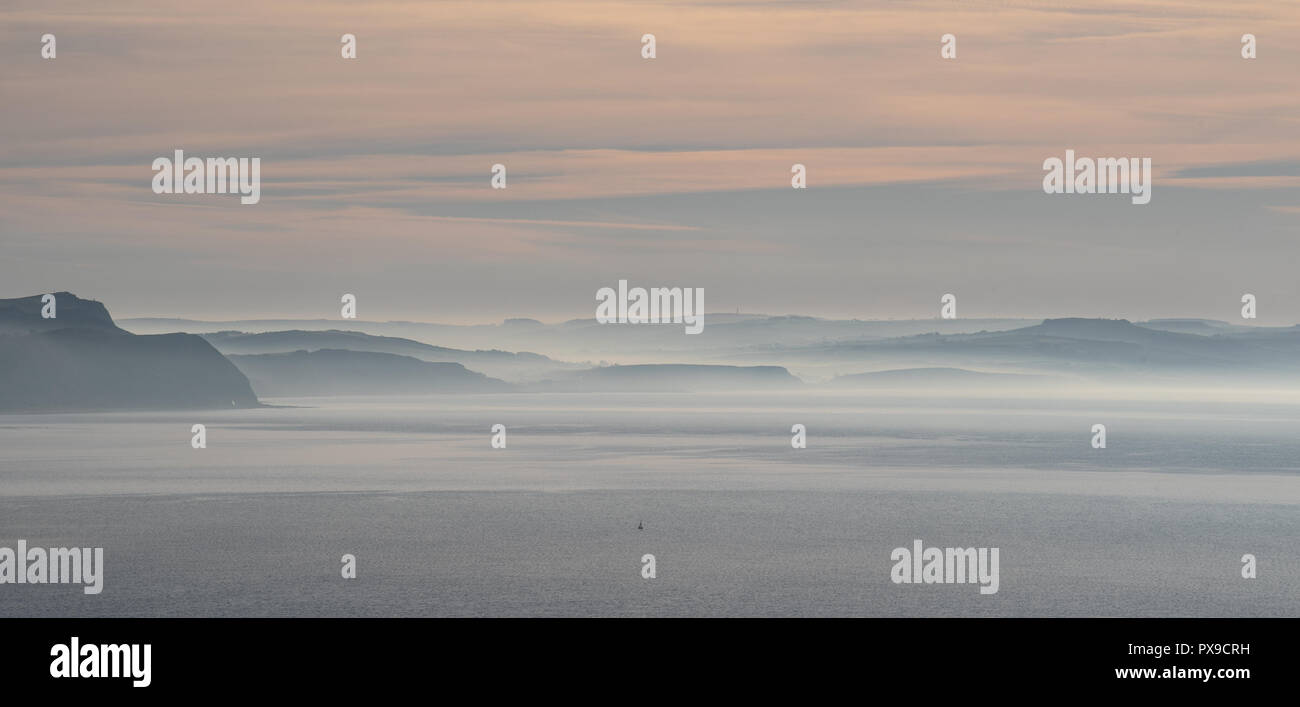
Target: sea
x,y
740,523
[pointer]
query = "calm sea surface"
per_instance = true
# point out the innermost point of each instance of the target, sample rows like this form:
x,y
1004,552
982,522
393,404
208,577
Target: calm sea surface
x,y
740,523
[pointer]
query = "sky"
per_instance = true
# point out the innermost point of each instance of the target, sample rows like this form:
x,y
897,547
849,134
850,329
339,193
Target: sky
x,y
924,174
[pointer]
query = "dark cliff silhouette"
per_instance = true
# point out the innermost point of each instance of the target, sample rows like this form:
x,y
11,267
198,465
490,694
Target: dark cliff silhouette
x,y
81,360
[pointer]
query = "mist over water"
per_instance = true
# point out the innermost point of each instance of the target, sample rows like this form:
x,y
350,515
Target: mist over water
x,y
741,524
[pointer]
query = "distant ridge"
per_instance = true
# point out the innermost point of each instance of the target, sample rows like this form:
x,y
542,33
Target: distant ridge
x,y
1204,327
1110,350
339,372
520,366
1094,329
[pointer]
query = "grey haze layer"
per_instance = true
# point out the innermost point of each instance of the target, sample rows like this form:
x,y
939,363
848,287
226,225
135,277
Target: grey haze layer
x,y
1176,352
587,341
83,361
60,363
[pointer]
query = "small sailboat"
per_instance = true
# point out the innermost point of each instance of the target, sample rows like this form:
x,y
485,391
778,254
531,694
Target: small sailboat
x,y
639,526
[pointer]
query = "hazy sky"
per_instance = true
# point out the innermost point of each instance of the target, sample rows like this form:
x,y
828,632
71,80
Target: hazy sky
x,y
924,174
